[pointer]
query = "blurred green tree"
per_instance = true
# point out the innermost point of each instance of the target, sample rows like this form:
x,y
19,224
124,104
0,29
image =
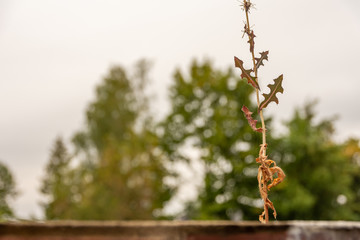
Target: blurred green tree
x,y
352,151
7,192
320,173
206,116
119,169
57,183
123,162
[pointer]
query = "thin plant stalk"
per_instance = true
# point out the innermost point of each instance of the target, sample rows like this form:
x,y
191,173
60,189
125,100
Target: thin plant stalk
x,y
267,168
252,50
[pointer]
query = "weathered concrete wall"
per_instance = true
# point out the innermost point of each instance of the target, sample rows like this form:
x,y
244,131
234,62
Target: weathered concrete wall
x,y
180,230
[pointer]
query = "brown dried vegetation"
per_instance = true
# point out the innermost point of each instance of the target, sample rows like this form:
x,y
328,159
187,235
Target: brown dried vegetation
x,y
268,168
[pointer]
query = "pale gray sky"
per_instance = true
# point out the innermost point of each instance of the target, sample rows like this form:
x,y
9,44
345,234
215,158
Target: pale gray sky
x,y
53,53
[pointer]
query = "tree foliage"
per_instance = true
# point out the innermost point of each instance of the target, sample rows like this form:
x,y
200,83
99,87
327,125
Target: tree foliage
x,y
7,192
57,183
119,169
351,149
321,174
206,113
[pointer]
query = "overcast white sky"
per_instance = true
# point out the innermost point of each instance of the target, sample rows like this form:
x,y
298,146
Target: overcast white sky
x,y
53,53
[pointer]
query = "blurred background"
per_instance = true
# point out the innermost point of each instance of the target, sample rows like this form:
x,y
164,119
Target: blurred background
x,y
131,109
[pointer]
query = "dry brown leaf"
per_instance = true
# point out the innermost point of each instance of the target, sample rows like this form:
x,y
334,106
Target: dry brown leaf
x,y
252,122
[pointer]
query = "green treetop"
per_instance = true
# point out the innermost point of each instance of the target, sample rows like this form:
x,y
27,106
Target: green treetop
x,y
57,183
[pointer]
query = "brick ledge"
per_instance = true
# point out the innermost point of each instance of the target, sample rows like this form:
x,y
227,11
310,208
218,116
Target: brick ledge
x,y
179,230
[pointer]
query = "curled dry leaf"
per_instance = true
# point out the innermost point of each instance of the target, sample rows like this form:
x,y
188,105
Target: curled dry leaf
x,y
252,122
266,181
279,179
245,73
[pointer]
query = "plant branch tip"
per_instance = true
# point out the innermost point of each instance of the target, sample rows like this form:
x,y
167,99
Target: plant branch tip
x,y
247,5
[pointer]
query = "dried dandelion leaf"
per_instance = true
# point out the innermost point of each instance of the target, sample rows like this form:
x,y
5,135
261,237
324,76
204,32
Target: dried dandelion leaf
x,y
274,89
245,73
263,56
252,122
279,179
251,40
266,181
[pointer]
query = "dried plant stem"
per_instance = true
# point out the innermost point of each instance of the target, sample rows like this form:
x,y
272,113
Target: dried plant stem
x,y
256,76
262,158
267,169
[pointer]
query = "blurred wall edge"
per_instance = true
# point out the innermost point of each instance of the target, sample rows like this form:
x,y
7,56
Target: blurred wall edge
x,y
179,230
